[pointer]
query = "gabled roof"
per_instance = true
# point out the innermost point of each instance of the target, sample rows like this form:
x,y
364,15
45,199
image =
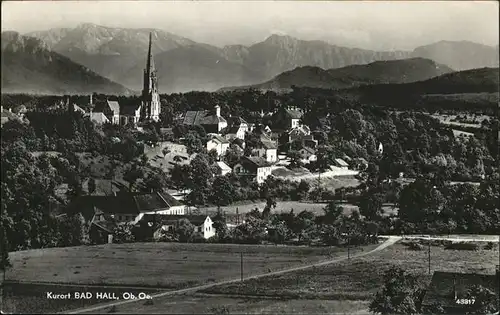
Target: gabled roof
x,y
202,117
293,114
233,130
341,162
114,106
130,109
252,163
236,121
98,117
309,150
214,136
127,203
441,290
223,166
268,145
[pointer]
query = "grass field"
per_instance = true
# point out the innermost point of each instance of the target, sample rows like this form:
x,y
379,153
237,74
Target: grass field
x,y
167,265
152,266
24,298
214,304
359,279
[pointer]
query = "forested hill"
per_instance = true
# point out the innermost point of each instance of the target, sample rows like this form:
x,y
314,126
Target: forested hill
x,y
379,72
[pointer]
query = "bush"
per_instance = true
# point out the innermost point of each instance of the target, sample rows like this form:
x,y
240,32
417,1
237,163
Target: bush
x,y
462,246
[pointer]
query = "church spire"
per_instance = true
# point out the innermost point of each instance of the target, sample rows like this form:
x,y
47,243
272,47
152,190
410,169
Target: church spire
x,y
150,64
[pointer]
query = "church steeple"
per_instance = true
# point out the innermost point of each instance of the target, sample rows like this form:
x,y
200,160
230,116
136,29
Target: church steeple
x,y
151,99
150,63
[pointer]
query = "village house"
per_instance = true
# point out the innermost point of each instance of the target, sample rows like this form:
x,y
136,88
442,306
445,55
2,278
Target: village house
x,y
217,143
446,288
308,155
340,163
127,207
287,118
257,167
211,121
110,109
266,149
167,223
222,168
237,128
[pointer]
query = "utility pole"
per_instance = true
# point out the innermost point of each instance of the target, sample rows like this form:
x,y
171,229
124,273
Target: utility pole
x,y
348,247
429,253
237,216
241,265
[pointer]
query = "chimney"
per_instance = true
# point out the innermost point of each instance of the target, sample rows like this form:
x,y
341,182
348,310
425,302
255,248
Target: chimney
x,y
90,99
217,110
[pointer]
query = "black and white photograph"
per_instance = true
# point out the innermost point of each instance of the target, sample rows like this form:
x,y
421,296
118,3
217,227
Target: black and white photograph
x,y
250,157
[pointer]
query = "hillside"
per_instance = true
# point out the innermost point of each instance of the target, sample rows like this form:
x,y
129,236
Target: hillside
x,y
379,72
462,55
108,51
29,66
191,68
476,88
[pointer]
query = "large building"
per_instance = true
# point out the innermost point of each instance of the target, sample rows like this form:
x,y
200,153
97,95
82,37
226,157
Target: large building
x,y
148,109
150,97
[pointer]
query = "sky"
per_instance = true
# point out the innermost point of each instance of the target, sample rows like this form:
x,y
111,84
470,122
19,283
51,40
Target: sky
x,y
377,25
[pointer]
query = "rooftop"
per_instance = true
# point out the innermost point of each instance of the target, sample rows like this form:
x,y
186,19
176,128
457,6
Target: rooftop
x,y
444,285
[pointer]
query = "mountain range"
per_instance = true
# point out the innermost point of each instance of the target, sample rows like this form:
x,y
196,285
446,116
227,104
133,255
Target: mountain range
x,y
29,66
119,54
378,72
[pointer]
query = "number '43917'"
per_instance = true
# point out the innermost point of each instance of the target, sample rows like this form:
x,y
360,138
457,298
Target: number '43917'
x,y
465,301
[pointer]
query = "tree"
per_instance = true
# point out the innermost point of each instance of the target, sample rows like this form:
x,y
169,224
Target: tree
x,y
222,191
371,205
132,174
485,300
220,226
270,204
232,156
302,190
193,143
401,294
304,225
122,233
184,230
155,181
179,175
295,159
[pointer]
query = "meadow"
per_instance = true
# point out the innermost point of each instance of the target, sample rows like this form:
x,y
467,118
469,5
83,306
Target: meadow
x,y
141,267
158,265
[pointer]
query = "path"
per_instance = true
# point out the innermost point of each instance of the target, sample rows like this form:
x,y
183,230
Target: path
x,y
476,238
390,241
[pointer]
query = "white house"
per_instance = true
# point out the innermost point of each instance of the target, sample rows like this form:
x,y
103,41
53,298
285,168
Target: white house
x,y
235,132
222,168
267,150
256,167
218,144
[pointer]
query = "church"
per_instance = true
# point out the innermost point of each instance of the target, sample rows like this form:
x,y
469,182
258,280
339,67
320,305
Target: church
x,y
148,110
